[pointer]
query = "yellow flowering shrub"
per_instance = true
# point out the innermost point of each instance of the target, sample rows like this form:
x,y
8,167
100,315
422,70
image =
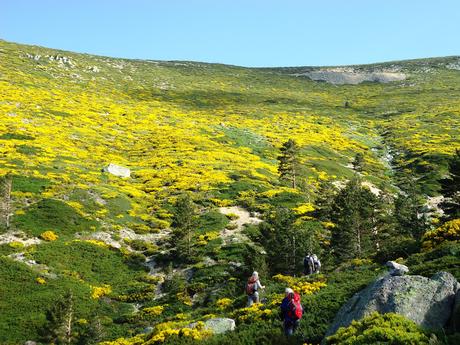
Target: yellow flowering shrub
x,y
300,284
205,238
328,225
360,262
16,245
449,231
304,208
97,243
182,316
99,291
40,280
255,312
184,298
137,340
49,236
153,311
223,303
197,333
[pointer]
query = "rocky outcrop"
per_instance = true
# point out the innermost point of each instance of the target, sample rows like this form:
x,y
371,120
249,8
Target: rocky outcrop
x,y
426,301
397,269
220,325
349,75
117,170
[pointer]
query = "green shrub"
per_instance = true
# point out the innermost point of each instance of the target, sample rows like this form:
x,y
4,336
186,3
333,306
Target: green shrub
x,y
446,257
321,308
389,328
399,247
53,214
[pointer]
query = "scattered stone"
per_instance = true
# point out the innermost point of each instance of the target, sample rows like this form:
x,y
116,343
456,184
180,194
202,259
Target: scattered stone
x,y
117,170
208,262
35,57
147,330
18,237
397,269
220,325
426,301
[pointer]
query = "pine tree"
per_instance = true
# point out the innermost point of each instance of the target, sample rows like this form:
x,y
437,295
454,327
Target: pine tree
x,y
184,223
60,321
286,240
358,162
450,189
94,334
324,201
411,213
354,214
288,162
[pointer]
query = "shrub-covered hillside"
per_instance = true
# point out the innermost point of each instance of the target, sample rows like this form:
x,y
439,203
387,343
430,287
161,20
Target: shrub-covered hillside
x,y
231,170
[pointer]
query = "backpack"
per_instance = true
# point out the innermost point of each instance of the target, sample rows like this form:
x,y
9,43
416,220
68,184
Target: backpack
x,y
295,311
251,287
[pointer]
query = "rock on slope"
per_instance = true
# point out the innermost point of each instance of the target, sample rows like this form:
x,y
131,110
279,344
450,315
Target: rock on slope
x,y
426,301
348,75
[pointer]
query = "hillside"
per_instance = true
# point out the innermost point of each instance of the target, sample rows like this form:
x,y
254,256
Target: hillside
x,y
211,130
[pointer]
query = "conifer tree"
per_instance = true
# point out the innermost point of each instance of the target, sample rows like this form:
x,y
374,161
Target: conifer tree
x,y
324,201
358,162
450,189
289,163
286,240
411,213
184,223
94,334
60,321
354,214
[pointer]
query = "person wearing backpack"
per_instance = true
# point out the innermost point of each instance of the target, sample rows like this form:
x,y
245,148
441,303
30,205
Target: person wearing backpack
x,y
252,288
316,264
291,311
308,266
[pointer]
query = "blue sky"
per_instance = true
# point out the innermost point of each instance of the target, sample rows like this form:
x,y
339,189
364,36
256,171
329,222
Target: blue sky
x,y
240,32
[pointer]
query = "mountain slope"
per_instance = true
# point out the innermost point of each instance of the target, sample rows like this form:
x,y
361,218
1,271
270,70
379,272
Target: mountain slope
x,y
210,129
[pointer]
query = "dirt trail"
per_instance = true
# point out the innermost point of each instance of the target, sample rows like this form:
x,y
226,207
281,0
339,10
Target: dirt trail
x,y
244,217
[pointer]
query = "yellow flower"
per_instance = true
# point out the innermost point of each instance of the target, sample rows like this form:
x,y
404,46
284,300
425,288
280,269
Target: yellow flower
x,y
40,280
49,236
153,311
99,291
223,303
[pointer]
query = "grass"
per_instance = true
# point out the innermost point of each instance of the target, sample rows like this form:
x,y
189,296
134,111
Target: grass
x,y
55,215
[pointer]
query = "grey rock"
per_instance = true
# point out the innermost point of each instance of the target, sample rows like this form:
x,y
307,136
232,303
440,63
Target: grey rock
x,y
220,325
30,342
426,301
397,269
349,75
117,170
147,330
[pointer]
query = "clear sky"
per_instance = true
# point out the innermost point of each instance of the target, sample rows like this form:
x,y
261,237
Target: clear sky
x,y
240,32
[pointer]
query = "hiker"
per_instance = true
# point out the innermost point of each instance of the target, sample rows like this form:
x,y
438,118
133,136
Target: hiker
x,y
316,264
291,311
252,288
308,265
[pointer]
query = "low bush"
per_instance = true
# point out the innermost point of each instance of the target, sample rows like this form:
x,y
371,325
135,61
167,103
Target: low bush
x,y
389,328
